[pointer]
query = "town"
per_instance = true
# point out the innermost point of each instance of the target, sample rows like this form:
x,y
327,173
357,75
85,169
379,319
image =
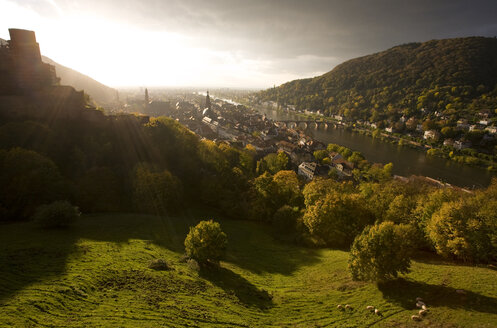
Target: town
x,y
224,120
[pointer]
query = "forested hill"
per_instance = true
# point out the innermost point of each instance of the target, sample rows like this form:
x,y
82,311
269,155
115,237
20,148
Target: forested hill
x,y
438,75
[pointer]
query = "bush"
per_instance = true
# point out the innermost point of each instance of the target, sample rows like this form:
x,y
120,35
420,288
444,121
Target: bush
x,y
59,214
158,264
193,265
206,242
381,252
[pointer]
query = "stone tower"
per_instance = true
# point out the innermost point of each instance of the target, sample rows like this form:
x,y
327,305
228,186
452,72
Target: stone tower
x,y
29,71
147,100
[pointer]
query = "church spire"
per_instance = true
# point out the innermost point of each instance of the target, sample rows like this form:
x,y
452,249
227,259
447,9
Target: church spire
x,y
208,101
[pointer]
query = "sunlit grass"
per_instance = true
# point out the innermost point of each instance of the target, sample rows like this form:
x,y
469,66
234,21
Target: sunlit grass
x,y
97,275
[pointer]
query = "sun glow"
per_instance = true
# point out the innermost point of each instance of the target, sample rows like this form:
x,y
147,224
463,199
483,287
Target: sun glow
x,y
118,54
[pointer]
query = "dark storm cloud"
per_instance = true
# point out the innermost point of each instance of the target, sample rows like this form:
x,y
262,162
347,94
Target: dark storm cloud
x,y
284,31
323,28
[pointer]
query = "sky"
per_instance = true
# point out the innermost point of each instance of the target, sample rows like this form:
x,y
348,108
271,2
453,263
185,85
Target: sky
x,y
232,43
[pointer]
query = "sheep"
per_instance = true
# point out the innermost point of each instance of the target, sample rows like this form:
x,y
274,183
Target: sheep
x,y
424,307
416,317
370,308
420,304
340,307
377,312
348,307
423,312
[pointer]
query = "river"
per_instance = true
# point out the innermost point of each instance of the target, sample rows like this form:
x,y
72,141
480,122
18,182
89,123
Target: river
x,y
406,161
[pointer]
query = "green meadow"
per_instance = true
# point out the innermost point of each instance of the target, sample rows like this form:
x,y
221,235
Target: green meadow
x,y
96,274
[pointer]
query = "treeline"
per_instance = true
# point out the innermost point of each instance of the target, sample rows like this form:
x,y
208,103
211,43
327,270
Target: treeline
x,y
456,77
120,165
163,168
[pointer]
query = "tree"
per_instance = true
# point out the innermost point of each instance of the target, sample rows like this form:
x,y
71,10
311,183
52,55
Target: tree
x,y
429,125
206,242
287,188
272,163
28,180
319,155
285,218
381,252
337,218
460,229
156,192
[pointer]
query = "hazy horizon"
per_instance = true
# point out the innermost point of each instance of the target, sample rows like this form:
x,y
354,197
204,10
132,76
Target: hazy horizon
x,y
234,44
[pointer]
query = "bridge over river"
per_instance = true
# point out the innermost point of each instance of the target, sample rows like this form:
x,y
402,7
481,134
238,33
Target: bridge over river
x,y
304,124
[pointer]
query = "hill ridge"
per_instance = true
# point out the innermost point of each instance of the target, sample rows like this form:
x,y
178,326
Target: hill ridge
x,y
439,75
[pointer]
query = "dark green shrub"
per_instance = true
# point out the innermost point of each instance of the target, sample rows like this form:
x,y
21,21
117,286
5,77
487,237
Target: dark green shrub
x,y
285,218
59,214
206,242
28,180
381,252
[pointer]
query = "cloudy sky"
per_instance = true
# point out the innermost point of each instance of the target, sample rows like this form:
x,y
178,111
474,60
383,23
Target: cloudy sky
x,y
232,43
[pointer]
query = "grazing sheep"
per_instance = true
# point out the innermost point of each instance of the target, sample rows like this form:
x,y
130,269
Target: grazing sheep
x,y
416,318
424,307
377,312
423,312
348,307
340,307
420,304
370,308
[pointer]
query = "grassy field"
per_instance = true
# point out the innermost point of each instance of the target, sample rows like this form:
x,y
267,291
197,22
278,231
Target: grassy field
x,y
96,275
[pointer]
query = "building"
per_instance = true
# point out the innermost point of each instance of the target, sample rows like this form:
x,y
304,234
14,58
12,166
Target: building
x,y
334,156
147,99
448,142
491,129
286,146
461,144
431,134
208,101
307,170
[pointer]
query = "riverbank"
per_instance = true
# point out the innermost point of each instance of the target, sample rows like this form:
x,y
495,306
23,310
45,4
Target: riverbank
x,y
466,156
408,159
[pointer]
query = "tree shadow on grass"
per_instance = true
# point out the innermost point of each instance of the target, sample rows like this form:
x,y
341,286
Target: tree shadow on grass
x,y
236,285
404,292
435,259
29,254
251,245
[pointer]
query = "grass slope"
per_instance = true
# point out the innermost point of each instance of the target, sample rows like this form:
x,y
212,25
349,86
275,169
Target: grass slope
x,y
96,275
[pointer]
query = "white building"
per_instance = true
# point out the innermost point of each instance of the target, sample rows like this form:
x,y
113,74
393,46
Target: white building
x,y
307,170
431,134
